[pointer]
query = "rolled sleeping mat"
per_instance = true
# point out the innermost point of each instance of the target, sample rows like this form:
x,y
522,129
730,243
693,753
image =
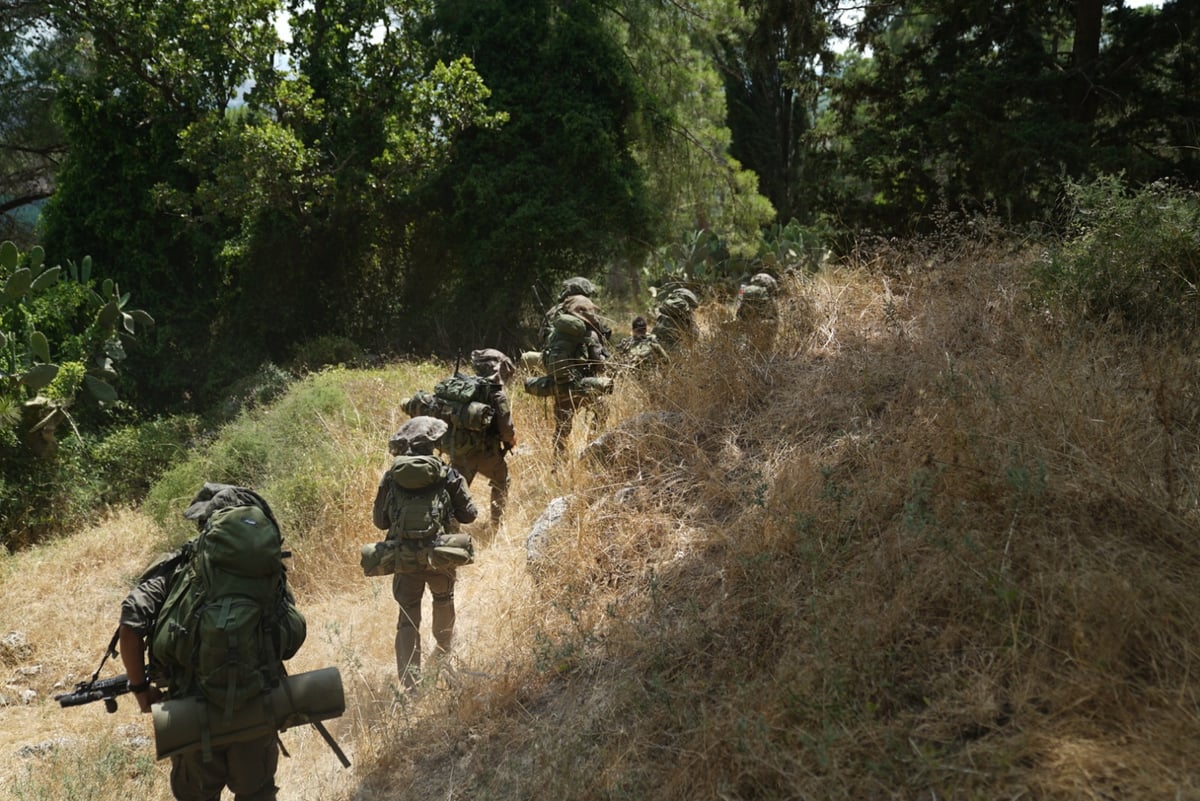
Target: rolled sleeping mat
x,y
180,723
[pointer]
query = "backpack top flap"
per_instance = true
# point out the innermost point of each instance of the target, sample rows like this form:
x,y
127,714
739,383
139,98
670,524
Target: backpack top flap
x,y
569,326
243,541
460,388
417,472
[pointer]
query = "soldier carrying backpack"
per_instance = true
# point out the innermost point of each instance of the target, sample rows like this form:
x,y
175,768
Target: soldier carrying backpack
x,y
675,323
219,621
420,500
574,353
477,410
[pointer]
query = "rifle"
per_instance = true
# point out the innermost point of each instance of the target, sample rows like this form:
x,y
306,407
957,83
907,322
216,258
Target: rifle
x,y
97,689
94,689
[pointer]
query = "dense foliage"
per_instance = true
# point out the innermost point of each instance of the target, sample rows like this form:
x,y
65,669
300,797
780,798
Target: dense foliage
x,y
291,184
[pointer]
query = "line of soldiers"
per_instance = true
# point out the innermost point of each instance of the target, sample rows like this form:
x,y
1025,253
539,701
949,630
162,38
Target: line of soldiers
x,y
248,768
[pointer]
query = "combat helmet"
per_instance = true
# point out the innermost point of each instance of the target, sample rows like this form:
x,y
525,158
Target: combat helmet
x,y
492,365
766,281
576,286
418,435
687,294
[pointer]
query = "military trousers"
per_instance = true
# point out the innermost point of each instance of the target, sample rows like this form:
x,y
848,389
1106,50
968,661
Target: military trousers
x,y
492,465
408,588
246,768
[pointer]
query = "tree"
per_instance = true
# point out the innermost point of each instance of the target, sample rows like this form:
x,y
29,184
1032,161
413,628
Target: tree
x,y
980,105
773,80
555,191
255,192
31,144
147,72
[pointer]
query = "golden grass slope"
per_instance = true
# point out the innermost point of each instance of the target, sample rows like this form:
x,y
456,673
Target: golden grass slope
x,y
935,542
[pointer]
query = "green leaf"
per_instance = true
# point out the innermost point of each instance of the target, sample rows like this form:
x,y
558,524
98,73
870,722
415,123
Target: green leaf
x,y
39,376
37,256
107,316
142,317
106,289
101,390
9,255
40,345
85,274
46,279
18,284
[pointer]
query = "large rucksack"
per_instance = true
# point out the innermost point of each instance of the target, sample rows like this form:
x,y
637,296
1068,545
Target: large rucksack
x,y
419,510
418,502
229,620
461,401
565,352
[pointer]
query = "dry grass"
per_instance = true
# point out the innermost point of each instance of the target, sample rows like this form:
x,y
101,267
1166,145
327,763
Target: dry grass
x,y
931,543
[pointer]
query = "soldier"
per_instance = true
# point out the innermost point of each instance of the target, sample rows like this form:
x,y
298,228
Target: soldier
x,y
756,313
675,323
756,299
444,500
572,359
641,349
485,452
248,767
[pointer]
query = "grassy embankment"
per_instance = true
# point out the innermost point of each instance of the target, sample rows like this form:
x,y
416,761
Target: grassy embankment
x,y
936,543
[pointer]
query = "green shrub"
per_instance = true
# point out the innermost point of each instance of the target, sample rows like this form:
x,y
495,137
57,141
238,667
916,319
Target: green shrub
x,y
130,458
1132,257
46,496
264,385
282,449
326,351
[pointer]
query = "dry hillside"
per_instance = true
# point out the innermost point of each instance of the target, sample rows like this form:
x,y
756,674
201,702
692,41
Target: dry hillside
x,y
934,542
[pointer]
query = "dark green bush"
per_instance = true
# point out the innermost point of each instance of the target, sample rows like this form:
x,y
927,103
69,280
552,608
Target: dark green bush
x,y
47,496
1132,257
259,388
326,351
131,458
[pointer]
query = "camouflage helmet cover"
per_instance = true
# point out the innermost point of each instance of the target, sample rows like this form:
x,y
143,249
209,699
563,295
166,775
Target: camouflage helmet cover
x,y
492,364
766,281
418,434
576,286
687,294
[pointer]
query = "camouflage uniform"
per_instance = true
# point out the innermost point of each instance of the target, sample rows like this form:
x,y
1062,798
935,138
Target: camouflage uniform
x,y
641,350
246,768
756,313
484,452
419,435
674,323
575,299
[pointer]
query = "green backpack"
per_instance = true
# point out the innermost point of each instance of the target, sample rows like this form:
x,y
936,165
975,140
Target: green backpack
x,y
229,620
418,502
461,401
565,354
